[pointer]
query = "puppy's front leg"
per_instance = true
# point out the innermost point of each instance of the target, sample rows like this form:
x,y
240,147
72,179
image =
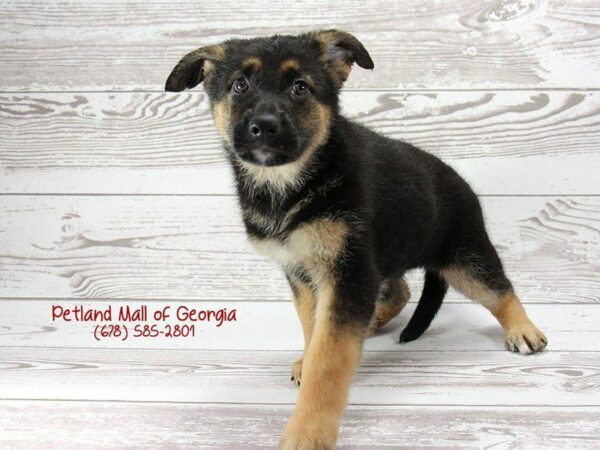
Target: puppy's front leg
x,y
304,301
329,364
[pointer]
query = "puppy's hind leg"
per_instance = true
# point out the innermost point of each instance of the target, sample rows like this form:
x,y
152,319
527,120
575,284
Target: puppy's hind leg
x,y
480,276
393,297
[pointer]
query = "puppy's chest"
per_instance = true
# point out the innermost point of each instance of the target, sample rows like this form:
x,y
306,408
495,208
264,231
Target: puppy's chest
x,y
313,246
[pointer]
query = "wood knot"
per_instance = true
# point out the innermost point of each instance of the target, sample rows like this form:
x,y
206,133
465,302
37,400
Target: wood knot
x,y
505,10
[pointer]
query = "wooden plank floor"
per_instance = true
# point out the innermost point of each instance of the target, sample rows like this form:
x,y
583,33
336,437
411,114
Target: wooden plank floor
x,y
114,194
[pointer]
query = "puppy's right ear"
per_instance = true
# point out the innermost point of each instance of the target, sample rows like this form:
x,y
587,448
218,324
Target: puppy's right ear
x,y
193,67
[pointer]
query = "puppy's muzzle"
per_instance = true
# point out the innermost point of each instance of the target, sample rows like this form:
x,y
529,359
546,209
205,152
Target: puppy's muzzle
x,y
266,137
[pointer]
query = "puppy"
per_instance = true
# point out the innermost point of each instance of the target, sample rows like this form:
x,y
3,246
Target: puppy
x,y
343,210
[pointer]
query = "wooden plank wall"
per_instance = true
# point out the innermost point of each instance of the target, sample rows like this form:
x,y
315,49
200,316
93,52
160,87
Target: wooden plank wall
x,y
113,192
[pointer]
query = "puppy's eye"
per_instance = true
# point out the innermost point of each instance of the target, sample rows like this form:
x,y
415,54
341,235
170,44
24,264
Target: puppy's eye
x,y
240,85
300,88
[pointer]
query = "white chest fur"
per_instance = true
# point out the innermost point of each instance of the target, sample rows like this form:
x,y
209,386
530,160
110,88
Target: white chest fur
x,y
313,246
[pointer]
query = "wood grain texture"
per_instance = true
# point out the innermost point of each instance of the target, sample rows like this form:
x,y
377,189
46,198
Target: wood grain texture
x,y
274,326
506,91
251,377
113,45
28,424
502,142
195,248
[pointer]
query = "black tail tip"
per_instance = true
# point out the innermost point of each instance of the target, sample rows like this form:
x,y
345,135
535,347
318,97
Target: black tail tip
x,y
410,334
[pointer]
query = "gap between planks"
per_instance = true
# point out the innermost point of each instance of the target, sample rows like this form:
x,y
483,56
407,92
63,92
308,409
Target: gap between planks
x,y
133,425
196,248
291,404
366,89
258,377
291,352
457,327
226,301
191,194
542,143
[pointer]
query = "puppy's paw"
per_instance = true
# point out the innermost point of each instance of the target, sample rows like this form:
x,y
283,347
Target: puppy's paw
x,y
297,371
305,443
311,434
526,340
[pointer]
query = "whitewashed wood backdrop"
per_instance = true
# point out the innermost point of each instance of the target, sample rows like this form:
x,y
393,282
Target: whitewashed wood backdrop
x,y
113,192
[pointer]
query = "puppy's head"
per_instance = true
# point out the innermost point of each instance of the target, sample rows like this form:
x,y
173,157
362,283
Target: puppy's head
x,y
273,98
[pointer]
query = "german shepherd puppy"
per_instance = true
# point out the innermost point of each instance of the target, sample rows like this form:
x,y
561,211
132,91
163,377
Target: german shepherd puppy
x,y
343,210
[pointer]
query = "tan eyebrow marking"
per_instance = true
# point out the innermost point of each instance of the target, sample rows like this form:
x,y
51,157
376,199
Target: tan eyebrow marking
x,y
289,64
253,61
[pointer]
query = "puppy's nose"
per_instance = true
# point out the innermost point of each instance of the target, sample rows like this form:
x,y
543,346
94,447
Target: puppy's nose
x,y
264,126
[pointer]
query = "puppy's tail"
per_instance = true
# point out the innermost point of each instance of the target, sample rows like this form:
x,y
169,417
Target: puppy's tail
x,y
431,299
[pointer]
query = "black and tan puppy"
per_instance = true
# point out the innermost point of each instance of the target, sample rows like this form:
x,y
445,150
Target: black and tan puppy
x,y
344,211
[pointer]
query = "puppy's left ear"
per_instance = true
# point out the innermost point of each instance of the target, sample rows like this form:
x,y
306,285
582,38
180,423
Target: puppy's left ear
x,y
339,50
193,67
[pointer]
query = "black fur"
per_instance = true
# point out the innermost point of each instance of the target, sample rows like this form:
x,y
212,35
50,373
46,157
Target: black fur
x,y
405,207
434,290
345,211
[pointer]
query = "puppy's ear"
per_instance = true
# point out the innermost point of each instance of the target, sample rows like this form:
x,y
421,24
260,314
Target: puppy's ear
x,y
339,50
193,67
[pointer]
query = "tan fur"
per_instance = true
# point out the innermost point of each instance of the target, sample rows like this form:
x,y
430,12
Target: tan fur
x,y
269,225
313,246
177,78
465,283
328,368
309,80
312,119
279,178
390,304
326,40
253,62
521,334
213,53
509,312
325,236
339,69
222,115
208,68
217,53
320,120
289,64
266,222
305,302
